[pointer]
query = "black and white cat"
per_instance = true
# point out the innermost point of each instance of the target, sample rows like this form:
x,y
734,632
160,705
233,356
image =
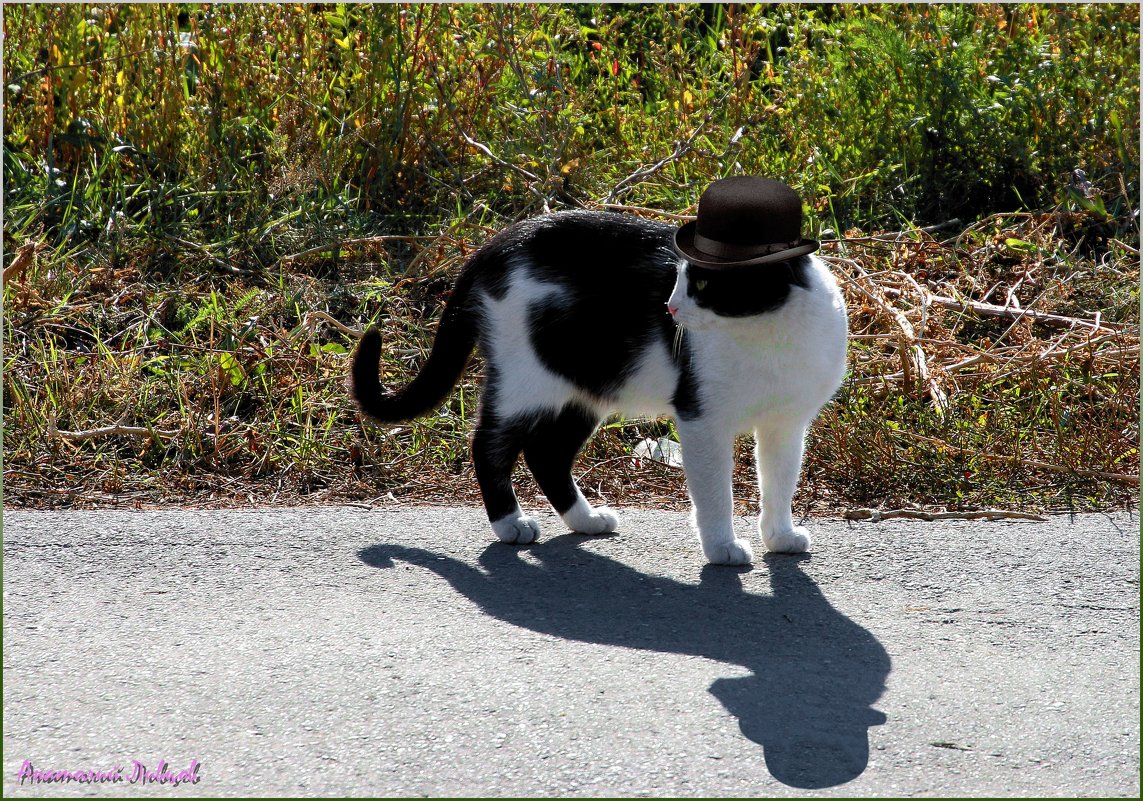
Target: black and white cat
x,y
582,314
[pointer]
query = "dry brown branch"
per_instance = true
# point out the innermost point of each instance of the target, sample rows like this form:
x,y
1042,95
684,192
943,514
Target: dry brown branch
x,y
682,147
877,515
311,320
1051,355
643,210
218,263
991,310
914,363
1013,361
487,151
115,431
53,67
908,235
439,241
353,243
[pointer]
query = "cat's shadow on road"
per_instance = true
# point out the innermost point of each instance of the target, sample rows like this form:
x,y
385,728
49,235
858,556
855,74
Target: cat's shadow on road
x,y
816,673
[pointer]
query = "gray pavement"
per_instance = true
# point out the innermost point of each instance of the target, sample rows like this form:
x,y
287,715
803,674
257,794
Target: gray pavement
x,y
401,652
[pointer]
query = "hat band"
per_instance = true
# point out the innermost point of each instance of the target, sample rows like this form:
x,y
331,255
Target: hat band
x,y
722,250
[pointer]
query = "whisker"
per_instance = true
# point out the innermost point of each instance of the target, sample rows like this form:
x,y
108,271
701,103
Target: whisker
x,y
676,346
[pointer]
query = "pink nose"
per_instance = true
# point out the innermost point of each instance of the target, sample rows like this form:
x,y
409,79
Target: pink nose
x,y
672,309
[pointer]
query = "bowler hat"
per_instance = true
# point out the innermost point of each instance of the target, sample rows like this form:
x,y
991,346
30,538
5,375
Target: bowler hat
x,y
744,220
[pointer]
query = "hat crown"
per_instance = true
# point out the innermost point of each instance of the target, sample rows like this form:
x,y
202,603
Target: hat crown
x,y
749,210
742,221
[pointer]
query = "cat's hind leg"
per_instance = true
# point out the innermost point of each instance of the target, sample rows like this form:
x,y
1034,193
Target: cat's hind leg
x,y
550,451
778,450
495,448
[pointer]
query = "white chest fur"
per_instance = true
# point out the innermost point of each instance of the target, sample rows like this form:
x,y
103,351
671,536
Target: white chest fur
x,y
782,365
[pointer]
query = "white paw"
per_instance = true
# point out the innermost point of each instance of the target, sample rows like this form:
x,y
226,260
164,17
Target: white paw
x,y
795,540
591,521
516,529
735,552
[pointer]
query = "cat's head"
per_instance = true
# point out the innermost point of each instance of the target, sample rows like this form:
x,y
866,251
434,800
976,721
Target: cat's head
x,y
706,299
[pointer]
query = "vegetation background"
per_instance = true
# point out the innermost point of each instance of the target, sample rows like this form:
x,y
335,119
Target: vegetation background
x,y
203,204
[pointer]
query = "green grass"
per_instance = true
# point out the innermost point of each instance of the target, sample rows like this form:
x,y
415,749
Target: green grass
x,y
164,165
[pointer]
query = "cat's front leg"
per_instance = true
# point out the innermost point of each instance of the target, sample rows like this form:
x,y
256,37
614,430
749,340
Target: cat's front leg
x,y
708,459
778,452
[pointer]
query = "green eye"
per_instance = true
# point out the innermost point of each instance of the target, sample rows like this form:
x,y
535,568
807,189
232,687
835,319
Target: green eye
x,y
700,285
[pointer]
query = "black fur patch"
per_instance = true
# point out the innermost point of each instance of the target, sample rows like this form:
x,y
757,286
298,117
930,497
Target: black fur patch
x,y
745,291
616,273
553,444
686,400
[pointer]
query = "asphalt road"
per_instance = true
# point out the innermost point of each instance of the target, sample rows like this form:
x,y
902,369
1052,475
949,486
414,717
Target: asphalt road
x,y
402,652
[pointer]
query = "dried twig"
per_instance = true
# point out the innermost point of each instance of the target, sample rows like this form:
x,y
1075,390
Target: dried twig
x,y
877,515
311,320
914,363
115,431
643,210
909,235
683,147
1049,355
487,151
991,310
53,67
352,243
218,263
1013,360
1123,245
445,237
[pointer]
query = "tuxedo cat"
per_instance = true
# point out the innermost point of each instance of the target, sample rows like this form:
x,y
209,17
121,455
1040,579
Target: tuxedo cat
x,y
580,314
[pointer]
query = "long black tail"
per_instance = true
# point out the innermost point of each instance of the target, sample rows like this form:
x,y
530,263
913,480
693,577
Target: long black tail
x,y
456,337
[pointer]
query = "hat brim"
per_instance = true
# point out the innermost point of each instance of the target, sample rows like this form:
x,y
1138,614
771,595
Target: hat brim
x,y
684,245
